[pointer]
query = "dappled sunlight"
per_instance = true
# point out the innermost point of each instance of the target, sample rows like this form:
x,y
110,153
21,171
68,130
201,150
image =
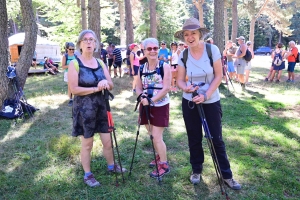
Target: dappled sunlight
x,y
53,101
14,164
16,132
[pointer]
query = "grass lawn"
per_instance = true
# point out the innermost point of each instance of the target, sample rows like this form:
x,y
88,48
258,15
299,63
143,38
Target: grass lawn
x,y
261,128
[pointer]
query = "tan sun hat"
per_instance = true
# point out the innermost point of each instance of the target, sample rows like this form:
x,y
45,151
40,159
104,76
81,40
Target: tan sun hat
x,y
191,24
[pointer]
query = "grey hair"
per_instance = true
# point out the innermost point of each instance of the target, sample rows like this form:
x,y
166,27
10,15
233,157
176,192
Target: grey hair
x,y
80,37
150,41
292,42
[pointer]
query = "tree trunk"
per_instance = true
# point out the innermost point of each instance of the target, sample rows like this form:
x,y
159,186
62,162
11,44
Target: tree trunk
x,y
153,24
252,29
219,24
83,15
226,25
94,20
199,6
3,51
234,28
129,23
122,23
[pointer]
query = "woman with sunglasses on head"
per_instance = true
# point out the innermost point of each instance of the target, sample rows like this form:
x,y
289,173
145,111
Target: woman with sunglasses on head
x,y
152,86
66,59
199,70
88,78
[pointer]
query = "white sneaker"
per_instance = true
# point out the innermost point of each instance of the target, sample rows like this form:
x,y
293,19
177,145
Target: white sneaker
x,y
195,178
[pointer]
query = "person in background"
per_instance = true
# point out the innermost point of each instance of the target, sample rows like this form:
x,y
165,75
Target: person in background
x,y
229,52
210,41
34,59
110,56
103,54
141,54
159,111
135,64
65,61
117,60
181,46
199,70
51,68
248,64
240,62
87,83
291,57
174,61
280,53
164,52
52,62
128,50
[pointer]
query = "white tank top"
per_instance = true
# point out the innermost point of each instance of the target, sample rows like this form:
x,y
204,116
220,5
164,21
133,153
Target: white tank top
x,y
175,57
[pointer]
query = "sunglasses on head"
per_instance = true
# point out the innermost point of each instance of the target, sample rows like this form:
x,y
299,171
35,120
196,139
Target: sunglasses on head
x,y
152,48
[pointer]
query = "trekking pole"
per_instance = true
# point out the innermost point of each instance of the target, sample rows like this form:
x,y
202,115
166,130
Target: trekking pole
x,y
137,136
230,80
119,159
111,129
151,138
211,148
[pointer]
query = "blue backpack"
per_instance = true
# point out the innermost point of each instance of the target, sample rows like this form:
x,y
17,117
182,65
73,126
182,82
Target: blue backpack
x,y
278,59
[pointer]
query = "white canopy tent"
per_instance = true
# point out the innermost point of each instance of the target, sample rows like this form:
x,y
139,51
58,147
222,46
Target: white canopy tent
x,y
43,48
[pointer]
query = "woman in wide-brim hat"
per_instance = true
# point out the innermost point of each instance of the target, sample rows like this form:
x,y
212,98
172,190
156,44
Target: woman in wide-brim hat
x,y
199,70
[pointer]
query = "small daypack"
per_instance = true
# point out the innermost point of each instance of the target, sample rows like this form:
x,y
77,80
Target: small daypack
x,y
248,55
67,57
208,50
76,64
278,59
298,58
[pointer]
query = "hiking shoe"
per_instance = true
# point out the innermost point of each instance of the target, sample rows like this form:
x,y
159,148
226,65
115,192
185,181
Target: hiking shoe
x,y
162,169
70,102
292,81
195,178
243,86
288,80
133,91
233,184
117,169
91,181
152,163
277,81
266,79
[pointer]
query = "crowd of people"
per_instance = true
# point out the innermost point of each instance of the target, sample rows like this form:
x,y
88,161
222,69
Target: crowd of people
x,y
156,71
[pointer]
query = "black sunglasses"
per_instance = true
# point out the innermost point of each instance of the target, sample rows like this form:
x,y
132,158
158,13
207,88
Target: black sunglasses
x,y
71,49
163,44
180,44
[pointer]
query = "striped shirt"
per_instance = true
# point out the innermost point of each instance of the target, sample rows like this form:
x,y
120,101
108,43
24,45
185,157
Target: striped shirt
x,y
117,54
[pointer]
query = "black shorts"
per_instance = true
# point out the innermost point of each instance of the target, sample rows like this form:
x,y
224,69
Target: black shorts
x,y
34,59
136,70
118,64
110,61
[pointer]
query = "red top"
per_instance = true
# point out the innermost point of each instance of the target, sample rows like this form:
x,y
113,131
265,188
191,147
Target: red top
x,y
293,56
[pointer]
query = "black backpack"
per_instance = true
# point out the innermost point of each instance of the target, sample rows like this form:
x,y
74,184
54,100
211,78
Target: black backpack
x,y
67,57
248,55
208,50
277,59
298,58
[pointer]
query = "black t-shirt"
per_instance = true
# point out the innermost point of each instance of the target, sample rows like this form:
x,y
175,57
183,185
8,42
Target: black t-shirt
x,y
144,60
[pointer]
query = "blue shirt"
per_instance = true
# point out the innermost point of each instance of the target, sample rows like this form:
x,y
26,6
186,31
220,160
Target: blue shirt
x,y
165,52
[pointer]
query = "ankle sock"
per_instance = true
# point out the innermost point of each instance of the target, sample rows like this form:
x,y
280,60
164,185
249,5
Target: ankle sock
x,y
110,167
86,174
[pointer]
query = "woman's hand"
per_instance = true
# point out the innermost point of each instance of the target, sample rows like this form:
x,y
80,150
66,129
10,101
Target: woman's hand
x,y
200,98
190,89
144,101
102,85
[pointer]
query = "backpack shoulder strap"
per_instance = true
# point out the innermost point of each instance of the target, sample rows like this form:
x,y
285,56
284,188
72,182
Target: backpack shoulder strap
x,y
209,53
161,68
101,62
76,64
141,70
185,57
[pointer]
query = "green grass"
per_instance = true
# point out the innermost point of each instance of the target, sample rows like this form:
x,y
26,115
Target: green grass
x,y
40,160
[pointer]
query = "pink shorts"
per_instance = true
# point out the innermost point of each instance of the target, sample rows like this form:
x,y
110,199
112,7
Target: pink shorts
x,y
159,116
